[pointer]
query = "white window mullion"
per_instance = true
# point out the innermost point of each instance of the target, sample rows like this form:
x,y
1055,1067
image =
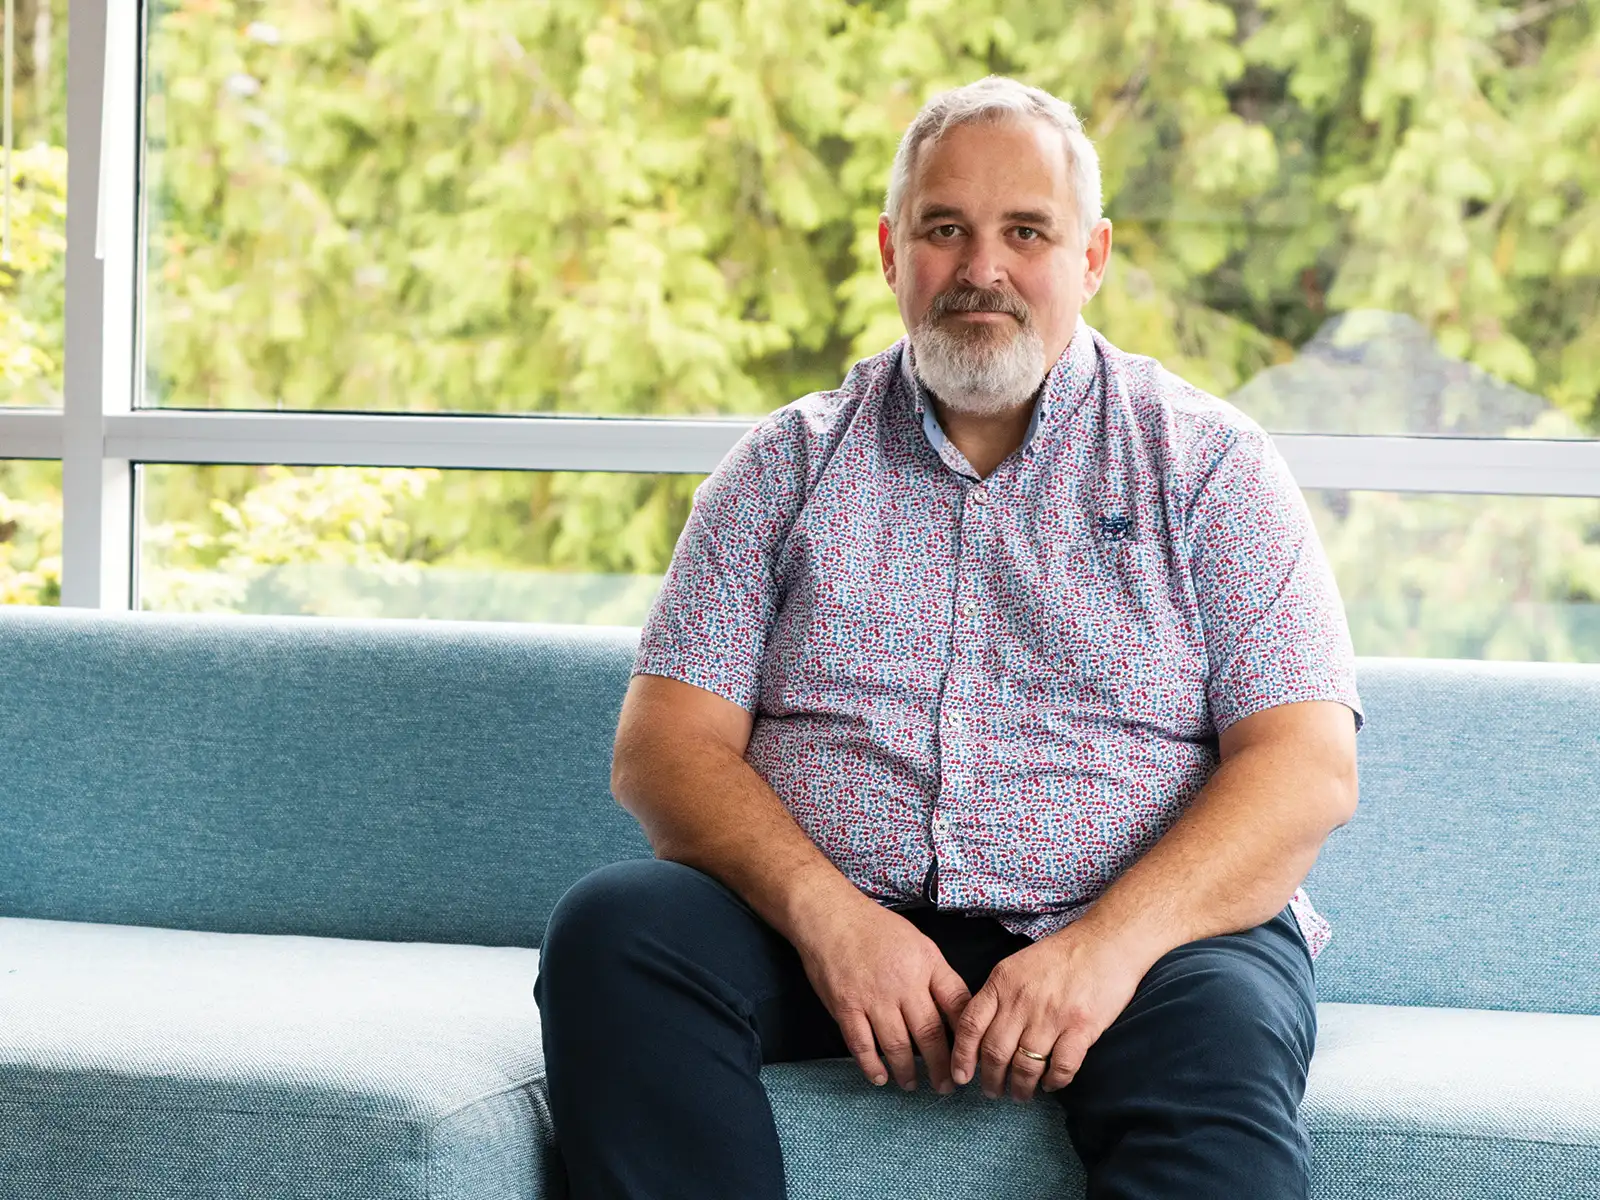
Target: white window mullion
x,y
1494,466
30,433
102,131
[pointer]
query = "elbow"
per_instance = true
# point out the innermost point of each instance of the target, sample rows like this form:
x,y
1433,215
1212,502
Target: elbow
x,y
1344,794
624,773
636,784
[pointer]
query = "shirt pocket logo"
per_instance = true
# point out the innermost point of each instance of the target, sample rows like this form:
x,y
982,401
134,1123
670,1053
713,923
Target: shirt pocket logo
x,y
1114,527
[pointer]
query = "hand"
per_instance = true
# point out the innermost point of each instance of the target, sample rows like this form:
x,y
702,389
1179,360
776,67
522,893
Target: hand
x,y
886,984
1055,997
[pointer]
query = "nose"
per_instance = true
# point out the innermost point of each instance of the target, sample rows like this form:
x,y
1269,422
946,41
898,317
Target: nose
x,y
983,265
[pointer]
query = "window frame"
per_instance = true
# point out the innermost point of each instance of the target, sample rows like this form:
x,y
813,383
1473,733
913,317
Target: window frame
x,y
101,434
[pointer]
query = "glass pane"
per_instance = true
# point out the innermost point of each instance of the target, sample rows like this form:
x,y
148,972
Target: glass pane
x,y
1421,575
566,547
671,207
1435,576
30,532
33,275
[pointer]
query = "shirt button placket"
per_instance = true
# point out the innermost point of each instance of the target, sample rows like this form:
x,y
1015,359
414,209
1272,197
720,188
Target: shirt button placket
x,y
955,722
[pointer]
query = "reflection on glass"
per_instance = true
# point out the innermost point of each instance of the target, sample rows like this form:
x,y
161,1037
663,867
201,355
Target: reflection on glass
x,y
30,532
1380,373
1444,576
663,208
564,547
33,280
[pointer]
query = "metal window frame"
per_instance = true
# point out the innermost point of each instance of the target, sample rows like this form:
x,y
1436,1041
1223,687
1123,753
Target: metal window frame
x,y
100,433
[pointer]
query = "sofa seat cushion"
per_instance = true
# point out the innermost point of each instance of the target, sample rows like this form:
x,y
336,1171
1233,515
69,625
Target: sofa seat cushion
x,y
1454,1104
178,1065
1402,1104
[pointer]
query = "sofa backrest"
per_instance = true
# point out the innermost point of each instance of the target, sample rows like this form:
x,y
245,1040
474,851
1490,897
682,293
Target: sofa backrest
x,y
406,781
1470,876
446,782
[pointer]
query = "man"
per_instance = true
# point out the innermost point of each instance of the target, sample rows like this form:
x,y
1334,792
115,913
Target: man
x,y
994,707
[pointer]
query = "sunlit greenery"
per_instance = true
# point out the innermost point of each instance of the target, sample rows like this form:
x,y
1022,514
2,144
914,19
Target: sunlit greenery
x,y
669,207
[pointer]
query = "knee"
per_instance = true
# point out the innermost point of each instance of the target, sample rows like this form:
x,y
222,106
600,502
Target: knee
x,y
598,917
1245,1011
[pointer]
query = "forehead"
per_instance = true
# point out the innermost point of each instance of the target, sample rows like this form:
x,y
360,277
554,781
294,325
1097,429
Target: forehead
x,y
987,167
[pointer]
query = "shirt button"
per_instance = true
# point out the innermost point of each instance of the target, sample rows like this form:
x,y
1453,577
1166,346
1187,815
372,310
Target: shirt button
x,y
980,496
955,720
938,825
969,609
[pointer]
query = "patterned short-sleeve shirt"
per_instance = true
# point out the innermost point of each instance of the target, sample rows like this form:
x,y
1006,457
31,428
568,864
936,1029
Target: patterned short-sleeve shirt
x,y
995,694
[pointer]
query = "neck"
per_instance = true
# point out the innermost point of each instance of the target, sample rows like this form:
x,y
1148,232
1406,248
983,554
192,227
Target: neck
x,y
988,440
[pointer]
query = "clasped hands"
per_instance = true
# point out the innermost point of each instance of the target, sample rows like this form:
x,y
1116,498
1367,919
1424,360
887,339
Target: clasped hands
x,y
890,989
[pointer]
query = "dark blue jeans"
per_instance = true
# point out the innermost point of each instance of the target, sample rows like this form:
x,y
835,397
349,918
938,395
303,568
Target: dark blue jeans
x,y
662,994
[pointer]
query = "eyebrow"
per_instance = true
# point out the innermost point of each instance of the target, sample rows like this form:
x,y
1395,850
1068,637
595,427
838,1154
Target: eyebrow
x,y
1024,216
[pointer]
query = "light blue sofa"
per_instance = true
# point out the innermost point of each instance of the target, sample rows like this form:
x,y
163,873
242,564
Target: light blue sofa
x,y
371,821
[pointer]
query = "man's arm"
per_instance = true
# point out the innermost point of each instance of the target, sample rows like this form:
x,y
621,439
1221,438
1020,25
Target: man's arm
x,y
679,768
1233,860
1230,862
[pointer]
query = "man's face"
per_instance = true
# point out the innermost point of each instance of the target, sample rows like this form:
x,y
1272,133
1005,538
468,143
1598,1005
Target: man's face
x,y
989,263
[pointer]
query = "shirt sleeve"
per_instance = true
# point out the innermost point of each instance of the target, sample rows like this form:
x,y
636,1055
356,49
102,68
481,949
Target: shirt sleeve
x,y
1275,627
708,625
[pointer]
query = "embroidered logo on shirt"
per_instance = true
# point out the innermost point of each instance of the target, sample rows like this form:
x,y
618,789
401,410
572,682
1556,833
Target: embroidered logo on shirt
x,y
1114,527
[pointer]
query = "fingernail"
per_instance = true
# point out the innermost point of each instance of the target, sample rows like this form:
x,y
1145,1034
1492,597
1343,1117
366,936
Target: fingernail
x,y
880,1080
908,1086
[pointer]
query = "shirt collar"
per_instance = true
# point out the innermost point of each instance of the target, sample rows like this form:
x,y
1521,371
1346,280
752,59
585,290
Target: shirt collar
x,y
1066,383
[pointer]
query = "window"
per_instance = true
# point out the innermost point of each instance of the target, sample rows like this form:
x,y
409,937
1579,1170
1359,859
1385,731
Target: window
x,y
485,258
1439,576
564,547
33,209
30,532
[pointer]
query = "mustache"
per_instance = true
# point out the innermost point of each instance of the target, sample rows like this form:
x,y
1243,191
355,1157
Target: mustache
x,y
964,299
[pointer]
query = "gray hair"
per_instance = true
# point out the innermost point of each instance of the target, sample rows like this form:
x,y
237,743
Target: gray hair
x,y
995,98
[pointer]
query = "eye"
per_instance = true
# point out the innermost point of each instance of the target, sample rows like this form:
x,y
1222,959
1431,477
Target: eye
x,y
1033,234
944,232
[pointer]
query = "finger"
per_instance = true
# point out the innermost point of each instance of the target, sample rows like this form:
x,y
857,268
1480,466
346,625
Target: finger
x,y
1066,1059
970,1029
995,1053
895,1043
1026,1072
929,1033
858,1040
950,994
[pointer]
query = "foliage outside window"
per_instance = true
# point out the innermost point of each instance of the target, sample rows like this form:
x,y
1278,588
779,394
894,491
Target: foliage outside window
x,y
30,532
33,283
668,208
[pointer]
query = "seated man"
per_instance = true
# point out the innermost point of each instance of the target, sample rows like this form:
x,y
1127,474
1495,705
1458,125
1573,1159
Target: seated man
x,y
994,707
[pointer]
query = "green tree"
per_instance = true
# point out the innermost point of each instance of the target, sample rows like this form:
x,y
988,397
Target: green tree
x,y
612,206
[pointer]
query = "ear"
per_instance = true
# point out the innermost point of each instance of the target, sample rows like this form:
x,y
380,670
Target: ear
x,y
1097,257
886,247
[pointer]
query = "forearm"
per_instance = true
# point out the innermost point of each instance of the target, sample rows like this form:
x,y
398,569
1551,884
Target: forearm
x,y
1234,858
702,805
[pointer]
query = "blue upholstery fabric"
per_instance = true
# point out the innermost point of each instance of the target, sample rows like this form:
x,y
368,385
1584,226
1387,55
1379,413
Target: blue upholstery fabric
x,y
1468,877
390,780
1402,1104
1453,1104
439,783
177,1065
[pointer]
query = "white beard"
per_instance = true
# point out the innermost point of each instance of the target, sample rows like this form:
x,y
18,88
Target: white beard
x,y
979,370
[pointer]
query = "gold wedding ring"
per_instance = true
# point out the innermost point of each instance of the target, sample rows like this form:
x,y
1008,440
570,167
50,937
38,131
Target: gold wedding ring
x,y
1032,1055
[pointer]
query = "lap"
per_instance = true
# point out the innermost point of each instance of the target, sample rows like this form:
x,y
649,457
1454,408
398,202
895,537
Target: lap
x,y
1199,1004
620,916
